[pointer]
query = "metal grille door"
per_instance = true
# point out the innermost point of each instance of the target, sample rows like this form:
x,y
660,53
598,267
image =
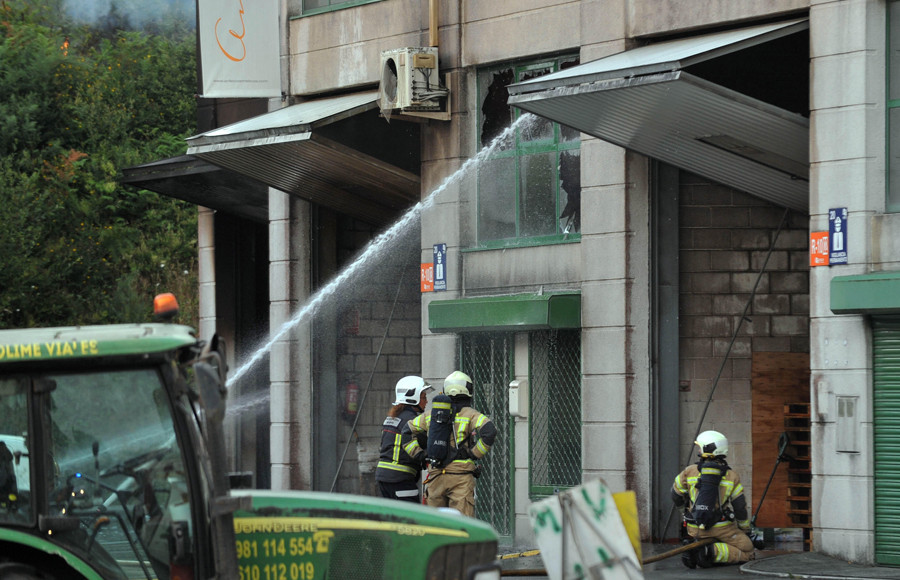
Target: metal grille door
x,y
487,358
555,377
886,363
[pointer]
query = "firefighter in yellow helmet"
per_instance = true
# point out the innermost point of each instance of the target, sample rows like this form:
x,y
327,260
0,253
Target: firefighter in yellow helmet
x,y
713,499
451,480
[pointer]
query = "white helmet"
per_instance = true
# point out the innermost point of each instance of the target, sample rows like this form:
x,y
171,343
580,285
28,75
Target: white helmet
x,y
458,384
409,390
712,444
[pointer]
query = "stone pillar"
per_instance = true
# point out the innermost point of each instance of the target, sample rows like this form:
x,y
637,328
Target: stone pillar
x,y
206,272
289,358
847,169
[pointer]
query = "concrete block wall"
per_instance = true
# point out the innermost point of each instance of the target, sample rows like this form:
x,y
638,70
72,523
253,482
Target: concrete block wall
x,y
725,236
379,342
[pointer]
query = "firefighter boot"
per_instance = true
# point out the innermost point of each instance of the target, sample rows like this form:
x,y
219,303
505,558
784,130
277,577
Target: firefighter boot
x,y
706,558
689,558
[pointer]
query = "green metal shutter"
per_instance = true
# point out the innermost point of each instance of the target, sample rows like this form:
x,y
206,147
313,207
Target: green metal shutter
x,y
555,411
886,364
488,358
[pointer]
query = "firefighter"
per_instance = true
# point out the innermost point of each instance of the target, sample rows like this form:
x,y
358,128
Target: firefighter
x,y
452,482
713,498
8,488
397,474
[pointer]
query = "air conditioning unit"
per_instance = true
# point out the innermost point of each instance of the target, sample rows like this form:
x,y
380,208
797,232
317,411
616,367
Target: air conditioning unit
x,y
410,80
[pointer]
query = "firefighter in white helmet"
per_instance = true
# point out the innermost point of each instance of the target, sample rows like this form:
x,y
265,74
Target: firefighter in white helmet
x,y
713,499
397,474
451,481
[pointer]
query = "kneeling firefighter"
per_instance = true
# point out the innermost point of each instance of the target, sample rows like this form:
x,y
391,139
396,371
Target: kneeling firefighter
x,y
397,473
452,438
713,499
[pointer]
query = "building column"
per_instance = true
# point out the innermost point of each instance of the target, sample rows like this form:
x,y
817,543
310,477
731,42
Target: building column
x,y
847,169
289,355
441,223
206,272
615,319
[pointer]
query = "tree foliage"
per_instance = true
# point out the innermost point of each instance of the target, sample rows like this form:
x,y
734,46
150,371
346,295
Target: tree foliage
x,y
79,103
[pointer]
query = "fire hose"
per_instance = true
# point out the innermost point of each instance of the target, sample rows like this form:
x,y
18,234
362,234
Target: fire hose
x,y
656,558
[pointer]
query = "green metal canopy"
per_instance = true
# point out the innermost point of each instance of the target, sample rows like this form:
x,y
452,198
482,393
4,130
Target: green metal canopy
x,y
516,312
876,293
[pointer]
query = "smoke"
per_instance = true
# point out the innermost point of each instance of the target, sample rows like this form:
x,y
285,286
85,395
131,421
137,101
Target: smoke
x,y
132,14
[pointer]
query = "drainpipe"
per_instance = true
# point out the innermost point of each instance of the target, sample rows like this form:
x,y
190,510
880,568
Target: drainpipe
x,y
433,23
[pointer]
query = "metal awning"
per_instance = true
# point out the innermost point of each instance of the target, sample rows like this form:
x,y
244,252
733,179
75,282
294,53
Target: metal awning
x,y
645,100
505,313
874,293
194,180
297,150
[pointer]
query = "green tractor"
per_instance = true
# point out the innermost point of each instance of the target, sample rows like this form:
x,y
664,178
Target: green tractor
x,y
113,466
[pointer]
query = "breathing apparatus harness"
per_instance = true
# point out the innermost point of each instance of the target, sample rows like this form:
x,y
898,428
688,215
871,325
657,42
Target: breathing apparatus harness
x,y
706,511
438,451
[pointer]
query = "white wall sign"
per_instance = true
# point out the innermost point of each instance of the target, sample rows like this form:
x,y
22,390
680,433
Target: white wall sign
x,y
581,535
837,235
239,44
440,267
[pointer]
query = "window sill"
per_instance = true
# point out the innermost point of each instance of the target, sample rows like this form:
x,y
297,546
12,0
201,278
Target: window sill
x,y
524,243
333,8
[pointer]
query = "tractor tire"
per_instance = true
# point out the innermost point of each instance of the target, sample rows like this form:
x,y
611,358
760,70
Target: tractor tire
x,y
16,571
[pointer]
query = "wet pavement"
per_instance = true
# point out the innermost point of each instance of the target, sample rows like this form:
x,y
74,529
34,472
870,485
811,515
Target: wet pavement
x,y
771,563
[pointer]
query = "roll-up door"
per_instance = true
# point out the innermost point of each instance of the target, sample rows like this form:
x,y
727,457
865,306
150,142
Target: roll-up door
x,y
886,364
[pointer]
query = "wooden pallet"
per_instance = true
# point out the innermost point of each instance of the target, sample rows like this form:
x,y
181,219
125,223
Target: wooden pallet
x,y
797,428
780,404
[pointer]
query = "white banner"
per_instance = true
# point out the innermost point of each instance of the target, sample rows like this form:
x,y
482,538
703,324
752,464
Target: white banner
x,y
239,42
581,535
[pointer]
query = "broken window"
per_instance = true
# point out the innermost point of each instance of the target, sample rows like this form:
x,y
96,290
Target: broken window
x,y
529,189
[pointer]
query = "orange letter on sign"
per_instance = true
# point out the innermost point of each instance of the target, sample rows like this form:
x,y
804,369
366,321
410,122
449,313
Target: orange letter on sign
x,y
818,249
427,277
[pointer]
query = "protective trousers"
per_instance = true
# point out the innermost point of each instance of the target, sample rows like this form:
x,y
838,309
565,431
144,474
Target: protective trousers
x,y
733,546
455,490
402,490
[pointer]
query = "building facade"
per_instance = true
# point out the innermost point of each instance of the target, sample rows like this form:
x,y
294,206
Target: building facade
x,y
615,201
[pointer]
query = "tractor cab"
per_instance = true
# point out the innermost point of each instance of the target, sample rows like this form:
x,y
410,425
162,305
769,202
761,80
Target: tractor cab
x,y
113,466
102,453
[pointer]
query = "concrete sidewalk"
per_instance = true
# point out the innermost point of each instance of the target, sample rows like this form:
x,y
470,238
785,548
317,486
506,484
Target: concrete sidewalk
x,y
777,564
813,565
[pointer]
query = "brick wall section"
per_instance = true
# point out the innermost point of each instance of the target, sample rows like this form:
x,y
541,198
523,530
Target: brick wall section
x,y
725,236
365,308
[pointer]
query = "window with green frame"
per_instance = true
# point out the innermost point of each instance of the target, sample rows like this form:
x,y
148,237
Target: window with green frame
x,y
892,203
308,7
555,414
529,189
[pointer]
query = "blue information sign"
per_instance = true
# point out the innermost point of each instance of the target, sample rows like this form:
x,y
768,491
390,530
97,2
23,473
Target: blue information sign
x,y
837,235
440,267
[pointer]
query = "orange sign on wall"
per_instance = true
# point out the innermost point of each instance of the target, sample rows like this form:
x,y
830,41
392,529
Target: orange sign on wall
x,y
818,249
427,277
